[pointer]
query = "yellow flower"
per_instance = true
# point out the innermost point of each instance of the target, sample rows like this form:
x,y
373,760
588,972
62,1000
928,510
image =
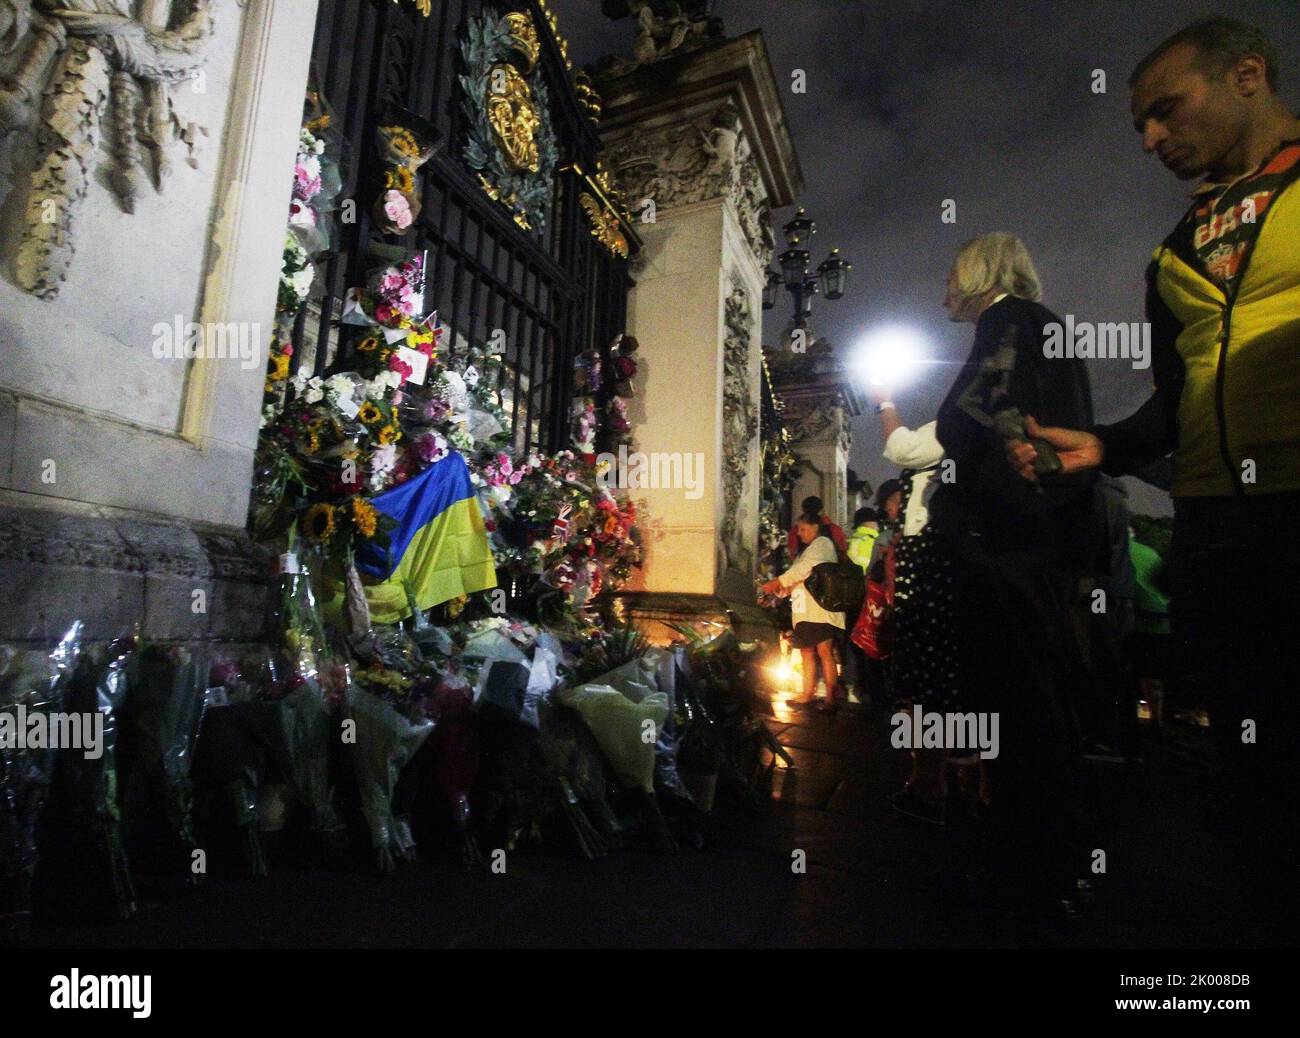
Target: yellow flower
x,y
370,342
318,523
313,441
402,141
370,414
364,517
400,178
279,368
456,605
389,434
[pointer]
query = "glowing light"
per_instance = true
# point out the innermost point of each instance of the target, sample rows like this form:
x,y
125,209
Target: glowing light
x,y
890,355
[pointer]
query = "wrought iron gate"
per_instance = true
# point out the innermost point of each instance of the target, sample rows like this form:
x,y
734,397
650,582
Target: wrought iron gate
x,y
553,294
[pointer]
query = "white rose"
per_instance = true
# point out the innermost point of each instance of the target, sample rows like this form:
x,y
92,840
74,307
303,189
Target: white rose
x,y
315,391
340,386
302,280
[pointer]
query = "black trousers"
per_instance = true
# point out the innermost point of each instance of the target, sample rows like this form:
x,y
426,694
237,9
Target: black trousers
x,y
1235,613
1021,660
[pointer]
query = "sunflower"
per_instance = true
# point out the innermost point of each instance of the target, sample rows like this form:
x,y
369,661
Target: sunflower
x,y
279,368
399,178
318,523
370,414
402,141
364,517
389,434
369,343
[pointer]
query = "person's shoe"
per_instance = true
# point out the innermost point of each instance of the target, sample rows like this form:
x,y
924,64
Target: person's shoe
x,y
909,802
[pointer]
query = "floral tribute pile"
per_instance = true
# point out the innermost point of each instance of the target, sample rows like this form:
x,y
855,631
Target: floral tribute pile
x,y
518,700
399,402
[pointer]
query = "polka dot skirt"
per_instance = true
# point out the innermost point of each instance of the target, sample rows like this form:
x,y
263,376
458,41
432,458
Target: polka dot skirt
x,y
926,668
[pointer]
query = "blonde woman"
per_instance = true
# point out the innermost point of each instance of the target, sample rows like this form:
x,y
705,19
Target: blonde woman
x,y
1018,550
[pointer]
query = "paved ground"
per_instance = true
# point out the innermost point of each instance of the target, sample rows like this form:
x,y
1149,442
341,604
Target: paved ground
x,y
873,879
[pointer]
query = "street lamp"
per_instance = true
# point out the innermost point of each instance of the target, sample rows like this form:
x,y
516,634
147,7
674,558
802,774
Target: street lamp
x,y
831,277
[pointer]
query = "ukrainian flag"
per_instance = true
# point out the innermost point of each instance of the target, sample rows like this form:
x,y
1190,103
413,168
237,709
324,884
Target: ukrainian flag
x,y
440,545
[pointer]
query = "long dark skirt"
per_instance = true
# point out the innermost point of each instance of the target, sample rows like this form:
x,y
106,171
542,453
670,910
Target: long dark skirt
x,y
927,665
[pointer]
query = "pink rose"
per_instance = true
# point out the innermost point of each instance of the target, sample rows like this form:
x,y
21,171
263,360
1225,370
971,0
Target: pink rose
x,y
397,209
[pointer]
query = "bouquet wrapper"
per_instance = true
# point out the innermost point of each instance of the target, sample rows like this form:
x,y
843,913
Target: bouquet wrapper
x,y
574,758
161,725
309,729
85,872
456,763
501,688
356,610
241,747
493,644
616,711
385,742
543,676
29,680
667,776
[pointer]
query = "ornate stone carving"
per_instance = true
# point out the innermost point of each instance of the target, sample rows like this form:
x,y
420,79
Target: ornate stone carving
x,y
687,162
99,65
740,424
815,420
664,30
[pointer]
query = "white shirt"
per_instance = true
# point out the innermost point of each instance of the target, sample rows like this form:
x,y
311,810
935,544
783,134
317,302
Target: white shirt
x,y
803,607
915,449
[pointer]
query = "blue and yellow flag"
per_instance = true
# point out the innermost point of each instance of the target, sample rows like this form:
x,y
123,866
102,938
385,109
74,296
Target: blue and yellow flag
x,y
439,545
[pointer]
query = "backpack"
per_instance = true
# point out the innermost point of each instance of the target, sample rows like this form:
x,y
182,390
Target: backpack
x,y
838,587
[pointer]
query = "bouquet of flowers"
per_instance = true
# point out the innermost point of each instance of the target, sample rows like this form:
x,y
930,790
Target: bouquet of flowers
x,y
84,869
161,722
403,151
32,684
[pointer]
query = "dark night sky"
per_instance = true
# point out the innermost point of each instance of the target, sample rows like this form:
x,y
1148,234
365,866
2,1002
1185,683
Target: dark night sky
x,y
911,102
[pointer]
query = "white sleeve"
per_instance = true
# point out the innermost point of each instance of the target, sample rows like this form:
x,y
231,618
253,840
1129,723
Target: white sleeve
x,y
821,550
914,448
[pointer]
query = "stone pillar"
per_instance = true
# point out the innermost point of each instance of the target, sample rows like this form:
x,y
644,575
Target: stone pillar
x,y
698,145
125,465
819,400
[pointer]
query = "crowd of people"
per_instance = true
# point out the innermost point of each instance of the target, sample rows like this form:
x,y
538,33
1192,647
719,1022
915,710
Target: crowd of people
x,y
1000,572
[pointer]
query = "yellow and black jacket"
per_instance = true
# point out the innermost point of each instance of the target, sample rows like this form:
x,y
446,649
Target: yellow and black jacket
x,y
1225,349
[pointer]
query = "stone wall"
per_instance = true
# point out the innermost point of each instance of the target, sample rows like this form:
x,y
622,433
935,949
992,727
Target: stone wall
x,y
125,471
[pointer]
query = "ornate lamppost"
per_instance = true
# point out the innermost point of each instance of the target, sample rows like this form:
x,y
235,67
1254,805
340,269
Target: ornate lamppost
x,y
830,278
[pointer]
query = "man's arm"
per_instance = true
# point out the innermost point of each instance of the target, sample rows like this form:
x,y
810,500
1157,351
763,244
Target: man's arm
x,y
1151,431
